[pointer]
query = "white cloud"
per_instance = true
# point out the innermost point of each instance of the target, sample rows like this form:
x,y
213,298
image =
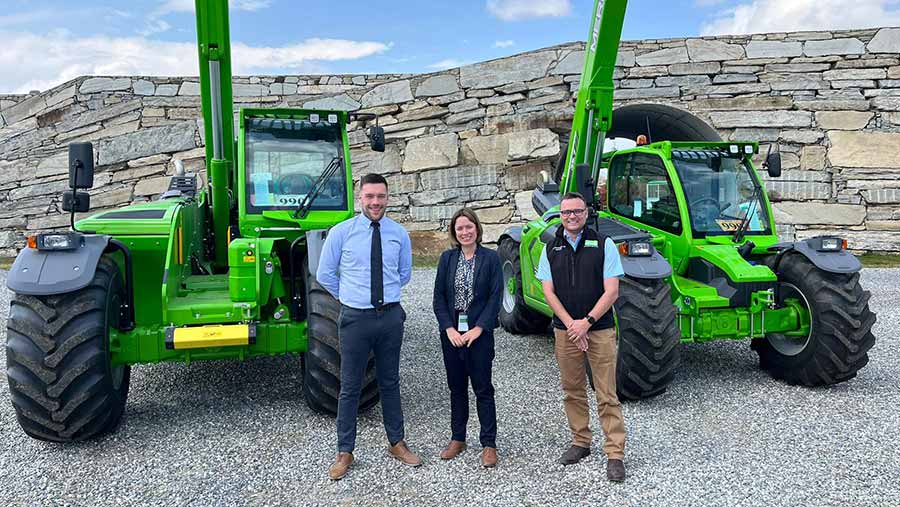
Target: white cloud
x,y
761,16
296,55
188,6
512,10
174,6
249,5
155,26
449,63
46,60
504,43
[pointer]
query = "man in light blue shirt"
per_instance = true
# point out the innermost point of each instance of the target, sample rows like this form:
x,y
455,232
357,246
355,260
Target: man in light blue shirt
x,y
365,262
612,263
344,265
579,271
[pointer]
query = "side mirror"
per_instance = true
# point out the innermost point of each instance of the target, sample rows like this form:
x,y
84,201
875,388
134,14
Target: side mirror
x,y
376,135
362,116
81,165
773,164
76,201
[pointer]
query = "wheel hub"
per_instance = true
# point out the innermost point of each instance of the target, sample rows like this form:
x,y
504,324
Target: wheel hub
x,y
791,345
509,295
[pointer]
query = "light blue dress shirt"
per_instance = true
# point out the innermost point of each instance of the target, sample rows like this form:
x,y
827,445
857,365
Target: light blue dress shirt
x,y
612,264
346,259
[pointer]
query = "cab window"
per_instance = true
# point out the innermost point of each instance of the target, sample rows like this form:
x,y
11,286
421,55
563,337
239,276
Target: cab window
x,y
639,188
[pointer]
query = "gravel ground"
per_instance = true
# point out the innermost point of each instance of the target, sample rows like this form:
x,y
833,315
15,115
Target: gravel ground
x,y
229,433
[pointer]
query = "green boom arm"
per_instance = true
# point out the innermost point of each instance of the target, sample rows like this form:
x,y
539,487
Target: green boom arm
x,y
593,110
214,49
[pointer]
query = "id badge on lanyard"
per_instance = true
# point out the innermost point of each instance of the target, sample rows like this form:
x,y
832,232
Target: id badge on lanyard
x,y
463,324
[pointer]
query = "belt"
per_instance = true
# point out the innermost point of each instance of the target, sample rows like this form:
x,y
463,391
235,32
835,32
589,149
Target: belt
x,y
385,307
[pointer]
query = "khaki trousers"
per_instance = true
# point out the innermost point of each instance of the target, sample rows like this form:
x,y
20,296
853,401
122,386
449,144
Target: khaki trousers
x,y
601,355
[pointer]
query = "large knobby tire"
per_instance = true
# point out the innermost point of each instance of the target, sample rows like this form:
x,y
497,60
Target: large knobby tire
x,y
322,361
515,316
61,382
840,327
648,338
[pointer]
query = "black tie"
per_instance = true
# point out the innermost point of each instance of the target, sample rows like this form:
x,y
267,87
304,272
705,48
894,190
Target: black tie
x,y
377,269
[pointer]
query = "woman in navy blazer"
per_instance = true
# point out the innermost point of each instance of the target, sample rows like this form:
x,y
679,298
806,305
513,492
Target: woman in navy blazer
x,y
467,295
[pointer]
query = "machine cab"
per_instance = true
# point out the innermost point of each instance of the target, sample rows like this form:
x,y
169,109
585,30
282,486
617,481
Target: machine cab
x,y
294,169
705,189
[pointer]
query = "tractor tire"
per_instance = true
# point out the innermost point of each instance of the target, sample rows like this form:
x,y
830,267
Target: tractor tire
x,y
322,360
61,382
840,328
515,316
648,338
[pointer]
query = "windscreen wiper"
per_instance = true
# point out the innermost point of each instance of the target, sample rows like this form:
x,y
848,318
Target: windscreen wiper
x,y
751,210
307,202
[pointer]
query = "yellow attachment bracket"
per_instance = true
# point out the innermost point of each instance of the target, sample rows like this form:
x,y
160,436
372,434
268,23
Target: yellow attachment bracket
x,y
199,337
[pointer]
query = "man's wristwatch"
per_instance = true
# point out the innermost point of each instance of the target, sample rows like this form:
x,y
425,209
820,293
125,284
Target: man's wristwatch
x,y
591,319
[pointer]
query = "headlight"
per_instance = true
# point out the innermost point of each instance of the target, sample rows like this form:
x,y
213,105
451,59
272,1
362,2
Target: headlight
x,y
57,241
640,249
829,244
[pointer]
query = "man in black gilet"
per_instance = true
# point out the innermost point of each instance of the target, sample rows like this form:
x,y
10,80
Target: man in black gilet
x,y
580,273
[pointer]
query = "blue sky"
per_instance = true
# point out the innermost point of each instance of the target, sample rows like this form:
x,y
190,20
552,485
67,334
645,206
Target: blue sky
x,y
50,41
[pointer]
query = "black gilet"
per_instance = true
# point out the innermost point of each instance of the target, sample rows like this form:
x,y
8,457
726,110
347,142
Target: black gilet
x,y
578,275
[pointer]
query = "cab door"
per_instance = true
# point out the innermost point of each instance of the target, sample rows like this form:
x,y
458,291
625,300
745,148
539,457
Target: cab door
x,y
640,193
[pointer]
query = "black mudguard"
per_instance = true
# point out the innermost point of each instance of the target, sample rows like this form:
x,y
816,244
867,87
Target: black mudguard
x,y
840,261
47,272
513,233
653,267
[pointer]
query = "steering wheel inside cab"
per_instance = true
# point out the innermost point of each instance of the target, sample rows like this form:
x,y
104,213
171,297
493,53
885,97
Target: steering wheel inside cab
x,y
294,184
705,211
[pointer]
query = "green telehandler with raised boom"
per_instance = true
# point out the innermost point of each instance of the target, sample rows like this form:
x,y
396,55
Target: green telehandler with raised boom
x,y
224,271
697,240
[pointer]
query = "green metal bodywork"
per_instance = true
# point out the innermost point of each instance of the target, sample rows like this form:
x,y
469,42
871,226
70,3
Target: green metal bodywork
x,y
703,314
188,269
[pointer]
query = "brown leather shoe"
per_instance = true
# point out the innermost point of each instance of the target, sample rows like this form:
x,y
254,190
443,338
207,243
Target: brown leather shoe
x,y
402,453
489,457
338,469
575,454
615,470
453,449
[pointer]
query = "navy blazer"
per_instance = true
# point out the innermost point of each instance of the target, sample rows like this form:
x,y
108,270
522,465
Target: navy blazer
x,y
487,295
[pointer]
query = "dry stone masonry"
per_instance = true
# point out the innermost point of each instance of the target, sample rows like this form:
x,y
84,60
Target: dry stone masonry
x,y
481,134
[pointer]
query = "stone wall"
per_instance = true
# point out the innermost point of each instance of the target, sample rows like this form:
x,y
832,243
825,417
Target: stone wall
x,y
9,100
481,134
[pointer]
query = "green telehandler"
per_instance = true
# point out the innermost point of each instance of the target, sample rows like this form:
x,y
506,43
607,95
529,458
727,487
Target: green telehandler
x,y
697,241
224,271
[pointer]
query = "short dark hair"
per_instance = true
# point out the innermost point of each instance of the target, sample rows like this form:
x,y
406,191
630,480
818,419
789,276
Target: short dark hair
x,y
470,214
573,195
373,178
